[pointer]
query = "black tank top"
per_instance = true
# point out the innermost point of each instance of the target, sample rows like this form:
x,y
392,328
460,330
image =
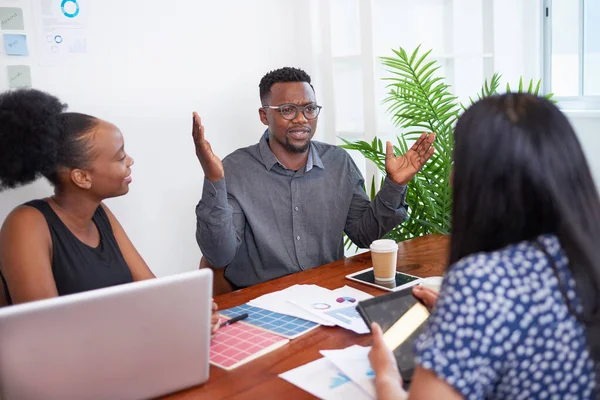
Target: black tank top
x,y
76,266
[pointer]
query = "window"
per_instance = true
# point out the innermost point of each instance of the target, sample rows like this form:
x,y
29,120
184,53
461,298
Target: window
x,y
352,35
470,40
572,52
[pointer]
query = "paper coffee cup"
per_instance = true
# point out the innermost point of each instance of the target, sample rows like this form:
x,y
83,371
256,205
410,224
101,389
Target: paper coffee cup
x,y
384,253
391,284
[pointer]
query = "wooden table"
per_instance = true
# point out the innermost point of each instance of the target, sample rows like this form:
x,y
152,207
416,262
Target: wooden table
x,y
424,256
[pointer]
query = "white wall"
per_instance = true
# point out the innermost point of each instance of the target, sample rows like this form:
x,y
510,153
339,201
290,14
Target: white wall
x,y
149,66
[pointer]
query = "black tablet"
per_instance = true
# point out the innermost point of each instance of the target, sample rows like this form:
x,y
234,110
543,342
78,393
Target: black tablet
x,y
402,318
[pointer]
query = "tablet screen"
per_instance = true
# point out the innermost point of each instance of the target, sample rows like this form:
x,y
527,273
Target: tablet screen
x,y
402,318
401,279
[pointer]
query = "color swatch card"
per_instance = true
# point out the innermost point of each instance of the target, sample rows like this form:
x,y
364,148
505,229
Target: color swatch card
x,y
322,379
281,324
236,344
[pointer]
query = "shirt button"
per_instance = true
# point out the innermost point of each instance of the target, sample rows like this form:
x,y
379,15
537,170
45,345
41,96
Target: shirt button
x,y
296,208
297,237
211,194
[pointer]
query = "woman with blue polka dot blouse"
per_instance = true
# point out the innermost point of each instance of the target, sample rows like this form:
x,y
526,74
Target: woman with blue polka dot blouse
x,y
519,308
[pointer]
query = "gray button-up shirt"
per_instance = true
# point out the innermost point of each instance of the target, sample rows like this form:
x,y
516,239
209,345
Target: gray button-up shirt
x,y
269,221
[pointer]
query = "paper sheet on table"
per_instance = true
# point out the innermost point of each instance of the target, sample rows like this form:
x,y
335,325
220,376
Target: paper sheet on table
x,y
279,302
353,361
322,379
337,306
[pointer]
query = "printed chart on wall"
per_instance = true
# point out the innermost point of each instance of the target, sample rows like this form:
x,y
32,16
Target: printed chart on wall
x,y
62,30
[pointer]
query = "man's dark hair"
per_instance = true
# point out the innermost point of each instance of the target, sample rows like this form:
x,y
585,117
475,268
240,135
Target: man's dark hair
x,y
285,74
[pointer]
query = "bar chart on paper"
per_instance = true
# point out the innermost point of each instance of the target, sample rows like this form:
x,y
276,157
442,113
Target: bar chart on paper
x,y
62,34
345,315
322,379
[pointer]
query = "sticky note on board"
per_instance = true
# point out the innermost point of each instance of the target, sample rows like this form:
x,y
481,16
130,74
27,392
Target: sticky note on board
x,y
15,45
11,18
19,76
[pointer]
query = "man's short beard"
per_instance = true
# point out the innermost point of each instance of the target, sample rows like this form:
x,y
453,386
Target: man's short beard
x,y
297,150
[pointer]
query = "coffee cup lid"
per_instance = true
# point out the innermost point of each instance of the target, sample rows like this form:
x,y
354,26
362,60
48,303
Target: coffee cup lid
x,y
384,245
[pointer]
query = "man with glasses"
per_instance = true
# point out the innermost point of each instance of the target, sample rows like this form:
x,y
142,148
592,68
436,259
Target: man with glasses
x,y
282,205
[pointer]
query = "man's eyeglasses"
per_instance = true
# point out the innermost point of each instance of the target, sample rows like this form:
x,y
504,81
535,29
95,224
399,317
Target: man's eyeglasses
x,y
290,111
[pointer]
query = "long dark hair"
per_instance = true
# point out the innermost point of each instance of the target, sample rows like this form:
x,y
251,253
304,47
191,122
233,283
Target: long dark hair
x,y
519,171
37,137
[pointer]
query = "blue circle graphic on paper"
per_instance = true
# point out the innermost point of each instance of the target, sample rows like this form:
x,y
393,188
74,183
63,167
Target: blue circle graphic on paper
x,y
69,14
58,39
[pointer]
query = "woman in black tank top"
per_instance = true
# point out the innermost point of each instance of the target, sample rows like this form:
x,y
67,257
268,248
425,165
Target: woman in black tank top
x,y
70,242
76,266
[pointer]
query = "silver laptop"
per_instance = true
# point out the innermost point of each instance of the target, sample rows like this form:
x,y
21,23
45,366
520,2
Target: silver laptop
x,y
134,341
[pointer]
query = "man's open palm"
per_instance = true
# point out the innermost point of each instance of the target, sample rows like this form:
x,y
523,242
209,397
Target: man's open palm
x,y
211,164
401,169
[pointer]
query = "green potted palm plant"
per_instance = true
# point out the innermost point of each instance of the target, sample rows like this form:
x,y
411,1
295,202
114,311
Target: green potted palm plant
x,y
418,100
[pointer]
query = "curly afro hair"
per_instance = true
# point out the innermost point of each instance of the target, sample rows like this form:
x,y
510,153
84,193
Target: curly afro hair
x,y
285,74
36,137
30,130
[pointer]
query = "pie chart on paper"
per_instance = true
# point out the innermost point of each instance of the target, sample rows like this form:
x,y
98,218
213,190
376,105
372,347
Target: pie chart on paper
x,y
346,299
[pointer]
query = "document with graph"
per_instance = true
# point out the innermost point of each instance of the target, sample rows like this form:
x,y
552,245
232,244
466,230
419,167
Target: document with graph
x,y
323,379
354,362
337,306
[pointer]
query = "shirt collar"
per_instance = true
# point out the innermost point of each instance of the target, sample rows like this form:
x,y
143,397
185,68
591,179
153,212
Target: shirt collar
x,y
314,159
269,159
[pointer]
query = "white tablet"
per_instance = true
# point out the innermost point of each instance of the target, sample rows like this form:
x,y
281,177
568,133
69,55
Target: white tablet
x,y
402,280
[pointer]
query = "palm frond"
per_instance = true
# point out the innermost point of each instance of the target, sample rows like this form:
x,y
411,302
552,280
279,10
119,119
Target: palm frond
x,y
418,100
